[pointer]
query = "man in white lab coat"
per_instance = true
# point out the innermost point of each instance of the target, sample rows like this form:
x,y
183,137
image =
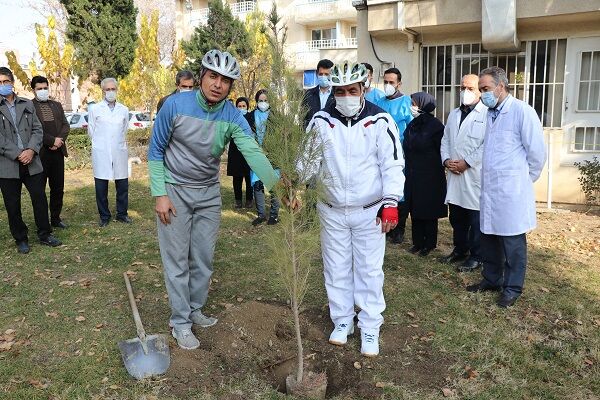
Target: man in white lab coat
x,y
513,157
107,128
461,151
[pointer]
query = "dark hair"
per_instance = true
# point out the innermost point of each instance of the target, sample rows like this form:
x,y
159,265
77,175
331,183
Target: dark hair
x,y
261,91
242,99
368,66
38,79
497,74
325,64
7,72
185,74
394,70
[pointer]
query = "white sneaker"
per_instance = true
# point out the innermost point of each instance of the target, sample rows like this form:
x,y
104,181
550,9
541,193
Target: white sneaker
x,y
200,319
339,336
369,344
185,339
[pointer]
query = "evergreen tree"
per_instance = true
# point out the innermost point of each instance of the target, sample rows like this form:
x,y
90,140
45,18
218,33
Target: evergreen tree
x,y
223,31
103,33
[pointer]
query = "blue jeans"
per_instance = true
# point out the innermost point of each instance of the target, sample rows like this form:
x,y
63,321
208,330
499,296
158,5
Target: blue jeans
x,y
259,197
122,186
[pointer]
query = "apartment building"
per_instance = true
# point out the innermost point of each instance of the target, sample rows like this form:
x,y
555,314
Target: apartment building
x,y
549,48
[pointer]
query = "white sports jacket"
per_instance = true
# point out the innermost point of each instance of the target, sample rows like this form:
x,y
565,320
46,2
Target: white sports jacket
x,y
359,160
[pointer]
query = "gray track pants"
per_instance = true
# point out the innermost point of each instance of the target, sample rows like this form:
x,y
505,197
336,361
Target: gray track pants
x,y
187,247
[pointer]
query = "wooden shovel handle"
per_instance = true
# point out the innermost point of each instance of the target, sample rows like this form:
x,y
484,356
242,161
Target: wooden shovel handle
x,y
136,315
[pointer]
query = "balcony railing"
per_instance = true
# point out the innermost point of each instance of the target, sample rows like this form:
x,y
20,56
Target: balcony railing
x,y
325,6
243,7
311,45
199,17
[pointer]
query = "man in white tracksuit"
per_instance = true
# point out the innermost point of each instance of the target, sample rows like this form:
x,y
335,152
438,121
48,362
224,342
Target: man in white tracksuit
x,y
461,151
513,157
360,166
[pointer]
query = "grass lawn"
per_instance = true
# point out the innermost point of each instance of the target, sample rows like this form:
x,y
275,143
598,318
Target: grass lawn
x,y
63,310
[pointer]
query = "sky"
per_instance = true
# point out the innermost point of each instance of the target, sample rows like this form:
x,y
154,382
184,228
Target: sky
x,y
17,30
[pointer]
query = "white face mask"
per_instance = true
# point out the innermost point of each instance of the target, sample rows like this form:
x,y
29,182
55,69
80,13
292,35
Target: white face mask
x,y
414,111
367,83
348,106
110,96
42,94
185,90
467,97
389,89
263,105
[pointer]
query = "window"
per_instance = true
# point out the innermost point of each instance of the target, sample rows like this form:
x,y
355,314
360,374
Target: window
x,y
535,74
323,34
587,139
588,97
353,32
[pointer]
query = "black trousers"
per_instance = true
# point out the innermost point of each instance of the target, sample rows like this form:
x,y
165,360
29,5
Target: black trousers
x,y
11,192
54,170
504,262
122,186
465,231
237,188
424,233
400,229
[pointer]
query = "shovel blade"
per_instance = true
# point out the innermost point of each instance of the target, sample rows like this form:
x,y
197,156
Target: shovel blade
x,y
141,364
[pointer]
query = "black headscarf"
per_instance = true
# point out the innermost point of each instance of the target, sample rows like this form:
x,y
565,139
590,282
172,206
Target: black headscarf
x,y
424,101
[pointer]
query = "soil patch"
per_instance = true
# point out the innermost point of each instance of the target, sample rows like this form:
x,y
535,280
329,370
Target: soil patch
x,y
257,338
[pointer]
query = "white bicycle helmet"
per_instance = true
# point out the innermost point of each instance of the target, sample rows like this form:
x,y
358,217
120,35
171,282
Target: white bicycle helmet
x,y
222,63
348,73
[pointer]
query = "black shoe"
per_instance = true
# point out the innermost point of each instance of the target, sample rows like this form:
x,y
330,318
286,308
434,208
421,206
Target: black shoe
x,y
23,247
506,300
469,266
249,204
125,220
482,287
425,251
50,241
238,204
59,224
258,221
453,258
103,223
414,250
397,238
272,221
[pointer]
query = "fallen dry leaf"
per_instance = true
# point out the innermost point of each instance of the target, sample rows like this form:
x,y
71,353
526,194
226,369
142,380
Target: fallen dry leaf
x,y
52,314
448,392
588,361
80,318
545,290
470,373
43,384
357,365
411,314
136,263
66,283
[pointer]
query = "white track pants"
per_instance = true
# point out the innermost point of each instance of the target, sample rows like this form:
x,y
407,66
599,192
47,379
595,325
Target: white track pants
x,y
353,247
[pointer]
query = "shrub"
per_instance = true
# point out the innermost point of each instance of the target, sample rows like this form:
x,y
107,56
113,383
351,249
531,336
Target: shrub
x,y
590,179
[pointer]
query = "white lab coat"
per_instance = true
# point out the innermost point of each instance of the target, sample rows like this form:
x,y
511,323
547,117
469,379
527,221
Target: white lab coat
x,y
108,129
514,154
465,143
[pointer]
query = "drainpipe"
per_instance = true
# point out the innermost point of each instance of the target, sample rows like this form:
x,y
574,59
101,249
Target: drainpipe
x,y
410,34
549,166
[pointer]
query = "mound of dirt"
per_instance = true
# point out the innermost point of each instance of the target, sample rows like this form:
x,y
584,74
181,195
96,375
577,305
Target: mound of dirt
x,y
257,338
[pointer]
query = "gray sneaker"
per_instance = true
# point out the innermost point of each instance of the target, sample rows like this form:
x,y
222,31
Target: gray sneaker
x,y
185,339
200,319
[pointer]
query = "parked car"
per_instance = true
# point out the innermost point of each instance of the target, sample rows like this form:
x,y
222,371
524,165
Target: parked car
x,y
79,120
139,120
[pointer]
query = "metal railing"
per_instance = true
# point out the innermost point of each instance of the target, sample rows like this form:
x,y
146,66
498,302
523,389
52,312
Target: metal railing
x,y
199,17
312,45
243,7
324,6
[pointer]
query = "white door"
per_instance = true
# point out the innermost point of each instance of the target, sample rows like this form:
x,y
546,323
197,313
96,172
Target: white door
x,y
581,120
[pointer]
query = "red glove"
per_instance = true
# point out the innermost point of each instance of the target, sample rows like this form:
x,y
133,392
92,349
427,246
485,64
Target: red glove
x,y
389,214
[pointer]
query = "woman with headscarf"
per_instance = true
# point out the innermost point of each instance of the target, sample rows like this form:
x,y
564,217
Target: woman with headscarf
x,y
237,167
258,119
425,187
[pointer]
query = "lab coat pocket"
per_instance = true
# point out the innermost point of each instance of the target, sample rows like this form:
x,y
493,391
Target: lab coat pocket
x,y
477,131
509,182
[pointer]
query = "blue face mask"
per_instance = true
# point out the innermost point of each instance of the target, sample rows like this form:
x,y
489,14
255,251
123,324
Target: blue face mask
x,y
6,90
489,99
243,111
323,81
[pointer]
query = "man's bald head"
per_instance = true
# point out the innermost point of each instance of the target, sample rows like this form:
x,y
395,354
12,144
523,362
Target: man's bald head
x,y
470,82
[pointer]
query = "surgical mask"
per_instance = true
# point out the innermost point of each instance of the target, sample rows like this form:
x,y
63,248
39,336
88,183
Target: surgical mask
x,y
389,89
6,90
263,106
414,111
323,81
110,96
467,97
42,94
348,106
489,99
243,111
367,83
185,90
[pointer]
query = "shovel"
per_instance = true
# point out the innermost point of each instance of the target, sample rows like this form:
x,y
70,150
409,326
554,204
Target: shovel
x,y
145,355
